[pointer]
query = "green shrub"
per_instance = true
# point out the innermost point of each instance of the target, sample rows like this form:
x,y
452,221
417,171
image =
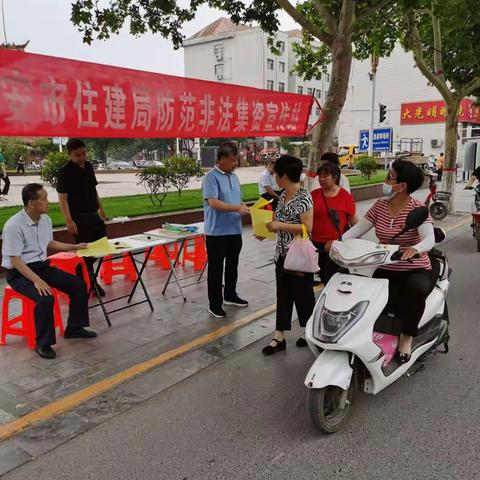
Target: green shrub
x,y
51,168
181,170
367,166
156,181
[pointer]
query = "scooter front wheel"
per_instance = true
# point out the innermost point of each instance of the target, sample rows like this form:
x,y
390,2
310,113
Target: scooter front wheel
x,y
329,407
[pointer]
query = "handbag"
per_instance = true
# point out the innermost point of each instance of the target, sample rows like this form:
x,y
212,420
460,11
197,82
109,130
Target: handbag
x,y
302,256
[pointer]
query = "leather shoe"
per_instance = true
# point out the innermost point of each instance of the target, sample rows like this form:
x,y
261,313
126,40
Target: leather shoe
x,y
46,352
80,333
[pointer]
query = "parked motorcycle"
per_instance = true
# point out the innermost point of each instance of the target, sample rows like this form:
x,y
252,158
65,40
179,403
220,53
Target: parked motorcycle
x,y
354,333
437,201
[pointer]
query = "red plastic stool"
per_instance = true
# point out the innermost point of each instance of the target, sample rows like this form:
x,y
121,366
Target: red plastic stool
x,y
160,257
25,318
198,256
121,266
68,262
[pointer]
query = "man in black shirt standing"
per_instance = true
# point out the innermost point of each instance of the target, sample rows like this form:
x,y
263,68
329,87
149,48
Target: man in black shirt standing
x,y
79,200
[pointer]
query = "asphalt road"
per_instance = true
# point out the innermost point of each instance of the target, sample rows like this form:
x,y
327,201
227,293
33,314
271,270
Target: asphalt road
x,y
244,418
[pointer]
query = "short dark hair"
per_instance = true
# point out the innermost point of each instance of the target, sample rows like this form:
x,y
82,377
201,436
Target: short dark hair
x,y
30,192
330,169
290,166
330,157
75,144
407,172
226,149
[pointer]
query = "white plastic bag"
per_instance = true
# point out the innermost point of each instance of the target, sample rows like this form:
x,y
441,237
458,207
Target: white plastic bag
x,y
302,256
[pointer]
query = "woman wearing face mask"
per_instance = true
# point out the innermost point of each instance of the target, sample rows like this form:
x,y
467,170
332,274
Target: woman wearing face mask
x,y
410,280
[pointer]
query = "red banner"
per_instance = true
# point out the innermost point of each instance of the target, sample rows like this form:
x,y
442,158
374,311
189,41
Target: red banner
x,y
55,97
436,112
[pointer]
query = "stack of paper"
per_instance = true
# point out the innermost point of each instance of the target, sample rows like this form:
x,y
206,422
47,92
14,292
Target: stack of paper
x,y
100,248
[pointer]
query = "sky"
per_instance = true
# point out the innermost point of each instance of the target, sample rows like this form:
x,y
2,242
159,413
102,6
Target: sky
x,y
46,23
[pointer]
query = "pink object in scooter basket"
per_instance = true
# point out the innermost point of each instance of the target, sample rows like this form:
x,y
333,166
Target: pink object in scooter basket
x,y
388,344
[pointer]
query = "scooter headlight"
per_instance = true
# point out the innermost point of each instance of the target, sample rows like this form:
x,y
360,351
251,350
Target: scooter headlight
x,y
330,326
376,258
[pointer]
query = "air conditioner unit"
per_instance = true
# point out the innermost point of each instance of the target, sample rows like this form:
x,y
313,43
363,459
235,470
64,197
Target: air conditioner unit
x,y
436,142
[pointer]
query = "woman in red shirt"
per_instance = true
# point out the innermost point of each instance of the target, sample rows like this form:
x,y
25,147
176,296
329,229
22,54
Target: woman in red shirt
x,y
330,196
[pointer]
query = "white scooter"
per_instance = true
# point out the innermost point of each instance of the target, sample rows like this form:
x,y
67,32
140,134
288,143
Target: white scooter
x,y
350,309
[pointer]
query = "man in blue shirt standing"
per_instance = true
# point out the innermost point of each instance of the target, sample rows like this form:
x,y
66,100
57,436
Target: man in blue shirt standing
x,y
223,229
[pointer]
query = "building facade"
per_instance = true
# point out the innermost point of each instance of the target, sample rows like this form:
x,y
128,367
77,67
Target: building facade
x,y
240,55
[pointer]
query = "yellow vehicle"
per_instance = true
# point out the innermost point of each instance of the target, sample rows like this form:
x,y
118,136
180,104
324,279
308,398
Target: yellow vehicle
x,y
347,155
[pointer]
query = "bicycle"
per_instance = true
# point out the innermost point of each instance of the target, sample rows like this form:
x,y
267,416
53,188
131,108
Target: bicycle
x,y
437,201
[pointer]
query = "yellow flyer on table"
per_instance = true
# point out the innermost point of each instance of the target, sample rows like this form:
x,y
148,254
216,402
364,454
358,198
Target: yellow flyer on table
x,y
260,218
100,248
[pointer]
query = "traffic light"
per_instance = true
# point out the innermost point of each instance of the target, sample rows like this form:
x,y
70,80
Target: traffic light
x,y
383,112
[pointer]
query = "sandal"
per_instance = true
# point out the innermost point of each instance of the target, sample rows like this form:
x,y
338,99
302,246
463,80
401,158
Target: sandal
x,y
404,357
280,346
301,342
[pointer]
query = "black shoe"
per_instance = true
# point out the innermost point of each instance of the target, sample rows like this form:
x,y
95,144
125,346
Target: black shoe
x,y
404,357
79,333
217,312
279,347
301,342
101,291
235,301
46,352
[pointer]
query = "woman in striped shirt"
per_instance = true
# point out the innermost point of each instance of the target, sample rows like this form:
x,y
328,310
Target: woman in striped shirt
x,y
410,280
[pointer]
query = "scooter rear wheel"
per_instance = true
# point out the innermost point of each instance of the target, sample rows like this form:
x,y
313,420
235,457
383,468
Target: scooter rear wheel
x,y
438,210
325,409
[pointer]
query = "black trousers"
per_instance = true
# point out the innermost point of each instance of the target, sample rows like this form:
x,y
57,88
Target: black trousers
x,y
293,288
72,285
6,186
223,250
328,268
407,293
90,227
21,168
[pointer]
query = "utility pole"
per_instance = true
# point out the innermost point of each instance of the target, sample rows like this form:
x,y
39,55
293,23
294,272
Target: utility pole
x,y
373,75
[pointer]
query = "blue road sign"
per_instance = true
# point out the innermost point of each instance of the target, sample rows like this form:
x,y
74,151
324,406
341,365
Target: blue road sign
x,y
382,140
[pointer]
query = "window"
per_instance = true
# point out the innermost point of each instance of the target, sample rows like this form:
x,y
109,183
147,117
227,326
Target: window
x,y
269,84
310,91
317,112
281,67
319,76
281,46
328,77
318,94
270,64
219,70
218,51
281,87
300,90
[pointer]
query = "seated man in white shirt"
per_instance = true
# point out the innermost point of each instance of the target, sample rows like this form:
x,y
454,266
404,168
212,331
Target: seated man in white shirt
x,y
267,185
26,237
332,157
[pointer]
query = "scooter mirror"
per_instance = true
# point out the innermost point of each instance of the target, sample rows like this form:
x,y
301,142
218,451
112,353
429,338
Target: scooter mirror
x,y
415,218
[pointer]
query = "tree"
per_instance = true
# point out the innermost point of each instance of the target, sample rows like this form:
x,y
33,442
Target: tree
x,y
53,163
12,148
181,170
444,37
336,24
156,181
